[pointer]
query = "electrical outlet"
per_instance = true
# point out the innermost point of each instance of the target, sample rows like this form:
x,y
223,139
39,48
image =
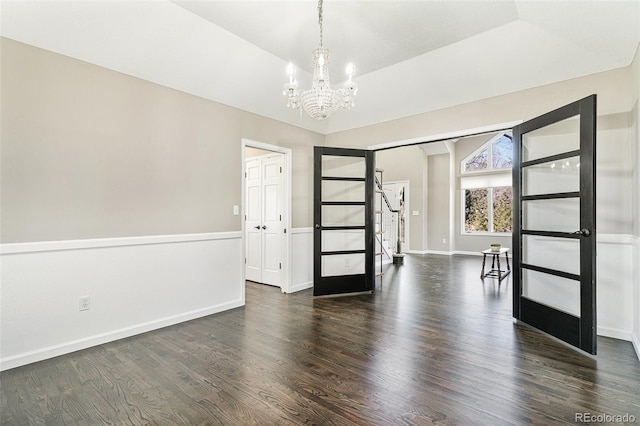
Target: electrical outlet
x,y
85,303
347,263
444,241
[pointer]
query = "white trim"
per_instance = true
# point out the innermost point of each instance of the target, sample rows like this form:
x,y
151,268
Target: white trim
x,y
447,136
636,345
41,246
288,170
615,333
614,238
416,251
307,230
301,286
99,339
444,253
468,253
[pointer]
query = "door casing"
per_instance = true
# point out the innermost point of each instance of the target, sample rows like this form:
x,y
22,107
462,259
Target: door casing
x,y
286,208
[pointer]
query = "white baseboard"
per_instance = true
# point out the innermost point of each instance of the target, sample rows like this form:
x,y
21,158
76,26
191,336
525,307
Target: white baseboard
x,y
636,345
416,251
443,253
468,253
302,286
87,342
615,333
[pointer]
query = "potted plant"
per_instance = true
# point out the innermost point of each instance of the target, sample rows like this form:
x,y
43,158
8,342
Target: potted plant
x,y
495,247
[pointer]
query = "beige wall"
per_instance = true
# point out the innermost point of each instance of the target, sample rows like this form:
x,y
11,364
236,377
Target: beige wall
x,y
615,165
92,153
407,164
611,87
438,214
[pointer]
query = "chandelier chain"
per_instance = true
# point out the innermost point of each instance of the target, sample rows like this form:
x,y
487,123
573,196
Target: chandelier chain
x,y
320,22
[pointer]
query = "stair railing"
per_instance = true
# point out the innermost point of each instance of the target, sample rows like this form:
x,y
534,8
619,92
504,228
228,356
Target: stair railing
x,y
398,248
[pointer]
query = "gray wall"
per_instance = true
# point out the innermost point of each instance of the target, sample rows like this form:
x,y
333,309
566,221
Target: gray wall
x,y
92,153
438,214
407,164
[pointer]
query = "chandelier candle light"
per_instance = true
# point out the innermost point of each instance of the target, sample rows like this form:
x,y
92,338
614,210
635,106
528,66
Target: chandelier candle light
x,y
321,100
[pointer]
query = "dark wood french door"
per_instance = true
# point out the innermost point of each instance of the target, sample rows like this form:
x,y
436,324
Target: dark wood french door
x,y
343,217
554,236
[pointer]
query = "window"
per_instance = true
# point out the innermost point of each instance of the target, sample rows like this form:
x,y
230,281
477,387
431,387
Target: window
x,y
486,187
494,155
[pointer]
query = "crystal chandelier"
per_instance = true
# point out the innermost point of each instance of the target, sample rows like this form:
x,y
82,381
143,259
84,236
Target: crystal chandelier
x,y
321,100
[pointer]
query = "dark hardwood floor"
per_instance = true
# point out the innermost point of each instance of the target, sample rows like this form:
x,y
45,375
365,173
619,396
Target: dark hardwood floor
x,y
434,345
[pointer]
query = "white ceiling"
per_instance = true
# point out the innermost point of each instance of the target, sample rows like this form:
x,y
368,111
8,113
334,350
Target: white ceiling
x,y
411,56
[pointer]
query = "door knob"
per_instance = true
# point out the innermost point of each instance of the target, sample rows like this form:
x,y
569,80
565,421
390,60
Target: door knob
x,y
317,226
256,227
584,232
264,227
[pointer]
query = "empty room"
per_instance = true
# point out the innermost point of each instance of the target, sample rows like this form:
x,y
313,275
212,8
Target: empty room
x,y
319,212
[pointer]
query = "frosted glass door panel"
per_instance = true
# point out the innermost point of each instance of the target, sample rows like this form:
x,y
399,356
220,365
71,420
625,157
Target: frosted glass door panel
x,y
561,254
343,215
344,264
563,136
555,215
337,190
552,177
337,166
349,239
557,292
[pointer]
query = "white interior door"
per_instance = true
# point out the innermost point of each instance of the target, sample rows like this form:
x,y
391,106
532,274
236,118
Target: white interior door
x,y
264,226
272,234
253,231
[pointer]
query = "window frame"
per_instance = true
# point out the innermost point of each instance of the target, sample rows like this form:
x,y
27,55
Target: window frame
x,y
501,172
488,145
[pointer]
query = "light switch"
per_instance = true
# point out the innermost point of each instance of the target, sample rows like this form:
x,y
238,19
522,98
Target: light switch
x,y
236,210
415,212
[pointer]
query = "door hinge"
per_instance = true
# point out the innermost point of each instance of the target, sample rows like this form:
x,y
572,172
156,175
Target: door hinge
x,y
285,230
280,217
245,260
280,265
245,174
280,169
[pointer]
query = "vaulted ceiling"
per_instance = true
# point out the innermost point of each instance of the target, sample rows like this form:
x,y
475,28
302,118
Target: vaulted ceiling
x,y
410,56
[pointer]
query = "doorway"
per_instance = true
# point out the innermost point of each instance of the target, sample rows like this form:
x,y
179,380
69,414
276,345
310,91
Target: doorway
x,y
266,195
396,226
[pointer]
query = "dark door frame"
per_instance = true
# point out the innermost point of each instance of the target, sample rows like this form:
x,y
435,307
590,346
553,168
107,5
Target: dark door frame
x,y
579,331
341,284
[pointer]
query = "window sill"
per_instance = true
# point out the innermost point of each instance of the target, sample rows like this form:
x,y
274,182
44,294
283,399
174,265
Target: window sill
x,y
486,234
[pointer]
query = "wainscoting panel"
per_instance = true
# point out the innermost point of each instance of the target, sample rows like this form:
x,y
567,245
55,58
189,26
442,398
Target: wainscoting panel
x,y
134,284
301,259
615,286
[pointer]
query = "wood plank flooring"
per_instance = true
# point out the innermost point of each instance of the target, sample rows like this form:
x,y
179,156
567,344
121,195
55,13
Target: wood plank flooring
x,y
434,345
